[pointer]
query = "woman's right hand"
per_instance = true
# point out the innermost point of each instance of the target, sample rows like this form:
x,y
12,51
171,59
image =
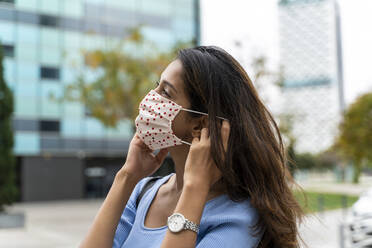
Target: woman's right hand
x,y
141,162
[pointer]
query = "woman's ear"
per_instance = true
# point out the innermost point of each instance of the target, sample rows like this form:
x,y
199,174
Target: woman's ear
x,y
197,125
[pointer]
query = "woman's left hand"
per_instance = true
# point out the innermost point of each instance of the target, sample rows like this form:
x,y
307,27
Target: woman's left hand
x,y
200,168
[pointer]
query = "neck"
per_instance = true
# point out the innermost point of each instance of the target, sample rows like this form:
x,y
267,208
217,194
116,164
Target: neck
x,y
179,156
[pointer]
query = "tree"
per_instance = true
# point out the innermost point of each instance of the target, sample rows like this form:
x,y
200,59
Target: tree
x,y
8,190
124,74
355,138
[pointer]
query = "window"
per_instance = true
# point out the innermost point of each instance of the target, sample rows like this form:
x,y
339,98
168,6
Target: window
x,y
49,72
87,111
26,17
46,20
8,50
25,125
49,126
6,1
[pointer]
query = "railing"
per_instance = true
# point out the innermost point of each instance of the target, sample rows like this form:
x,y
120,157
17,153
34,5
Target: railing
x,y
356,232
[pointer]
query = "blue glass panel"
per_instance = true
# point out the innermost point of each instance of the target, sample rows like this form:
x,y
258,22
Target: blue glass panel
x,y
163,38
72,8
26,99
27,34
26,4
159,7
71,128
27,72
93,128
27,89
9,71
27,52
127,4
73,110
123,130
50,55
50,6
71,40
7,32
49,107
26,105
68,75
26,143
183,8
50,37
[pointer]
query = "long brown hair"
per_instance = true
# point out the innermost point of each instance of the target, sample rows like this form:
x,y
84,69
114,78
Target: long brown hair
x,y
255,161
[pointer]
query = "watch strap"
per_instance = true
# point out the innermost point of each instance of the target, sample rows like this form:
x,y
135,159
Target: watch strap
x,y
189,225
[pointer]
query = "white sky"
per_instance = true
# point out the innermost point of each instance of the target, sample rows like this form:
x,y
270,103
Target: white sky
x,y
255,24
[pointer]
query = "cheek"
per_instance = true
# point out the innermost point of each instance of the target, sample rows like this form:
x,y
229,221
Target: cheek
x,y
179,125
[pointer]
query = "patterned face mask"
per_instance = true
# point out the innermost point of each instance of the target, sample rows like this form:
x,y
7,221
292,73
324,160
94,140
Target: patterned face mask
x,y
154,121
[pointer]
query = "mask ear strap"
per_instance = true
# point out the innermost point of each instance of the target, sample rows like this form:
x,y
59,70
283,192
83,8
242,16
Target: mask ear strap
x,y
185,142
197,112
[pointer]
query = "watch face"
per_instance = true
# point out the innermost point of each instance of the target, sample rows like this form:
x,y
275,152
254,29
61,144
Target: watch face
x,y
176,222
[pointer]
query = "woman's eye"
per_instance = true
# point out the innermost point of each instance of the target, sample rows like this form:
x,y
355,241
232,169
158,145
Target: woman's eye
x,y
166,93
163,91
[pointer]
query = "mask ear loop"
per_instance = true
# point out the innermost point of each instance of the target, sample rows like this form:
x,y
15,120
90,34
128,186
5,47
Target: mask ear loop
x,y
197,112
185,142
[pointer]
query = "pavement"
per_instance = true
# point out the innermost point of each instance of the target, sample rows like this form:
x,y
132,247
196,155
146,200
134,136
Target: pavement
x,y
322,230
63,224
57,224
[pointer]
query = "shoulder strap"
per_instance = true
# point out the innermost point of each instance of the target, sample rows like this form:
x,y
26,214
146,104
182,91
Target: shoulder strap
x,y
146,187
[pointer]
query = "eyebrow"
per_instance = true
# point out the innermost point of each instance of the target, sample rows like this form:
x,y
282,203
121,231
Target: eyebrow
x,y
170,85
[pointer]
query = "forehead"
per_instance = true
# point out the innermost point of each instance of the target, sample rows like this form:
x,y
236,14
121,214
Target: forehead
x,y
173,73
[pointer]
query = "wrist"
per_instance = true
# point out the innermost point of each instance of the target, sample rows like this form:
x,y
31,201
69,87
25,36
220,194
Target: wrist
x,y
122,175
197,188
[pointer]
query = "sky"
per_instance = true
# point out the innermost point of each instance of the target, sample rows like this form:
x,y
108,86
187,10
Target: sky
x,y
255,24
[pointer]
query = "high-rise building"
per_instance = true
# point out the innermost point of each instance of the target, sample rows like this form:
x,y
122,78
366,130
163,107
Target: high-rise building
x,y
310,52
62,152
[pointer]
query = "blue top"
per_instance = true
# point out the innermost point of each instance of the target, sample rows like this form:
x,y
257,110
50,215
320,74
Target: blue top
x,y
224,223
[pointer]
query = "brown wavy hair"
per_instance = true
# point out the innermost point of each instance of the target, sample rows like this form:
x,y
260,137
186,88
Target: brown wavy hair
x,y
255,164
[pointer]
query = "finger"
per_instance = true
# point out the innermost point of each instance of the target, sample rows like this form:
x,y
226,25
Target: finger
x,y
136,139
161,155
225,132
204,134
195,140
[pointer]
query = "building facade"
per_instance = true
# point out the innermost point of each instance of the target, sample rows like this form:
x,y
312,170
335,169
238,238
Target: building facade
x,y
62,152
311,56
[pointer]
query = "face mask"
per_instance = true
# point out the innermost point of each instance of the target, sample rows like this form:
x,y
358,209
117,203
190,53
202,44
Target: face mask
x,y
154,121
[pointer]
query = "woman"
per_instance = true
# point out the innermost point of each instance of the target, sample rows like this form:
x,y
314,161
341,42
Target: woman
x,y
231,182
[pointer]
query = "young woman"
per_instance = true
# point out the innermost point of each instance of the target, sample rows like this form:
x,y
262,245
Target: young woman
x,y
231,186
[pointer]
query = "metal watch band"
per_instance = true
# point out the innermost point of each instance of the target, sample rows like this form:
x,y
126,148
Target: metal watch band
x,y
191,226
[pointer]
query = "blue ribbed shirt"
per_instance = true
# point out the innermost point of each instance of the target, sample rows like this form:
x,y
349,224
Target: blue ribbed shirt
x,y
224,223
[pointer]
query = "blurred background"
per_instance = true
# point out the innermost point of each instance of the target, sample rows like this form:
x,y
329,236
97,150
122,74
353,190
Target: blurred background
x,y
74,71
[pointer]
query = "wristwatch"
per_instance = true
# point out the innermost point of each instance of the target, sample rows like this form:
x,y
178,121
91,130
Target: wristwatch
x,y
177,222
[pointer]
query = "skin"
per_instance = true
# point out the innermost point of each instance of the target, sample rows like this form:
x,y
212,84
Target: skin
x,y
186,192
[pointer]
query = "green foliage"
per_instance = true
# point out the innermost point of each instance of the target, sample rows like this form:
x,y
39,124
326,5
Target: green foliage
x,y
311,201
355,139
8,190
309,161
123,73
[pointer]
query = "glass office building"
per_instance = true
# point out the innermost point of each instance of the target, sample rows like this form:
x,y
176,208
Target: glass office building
x,y
311,55
60,149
